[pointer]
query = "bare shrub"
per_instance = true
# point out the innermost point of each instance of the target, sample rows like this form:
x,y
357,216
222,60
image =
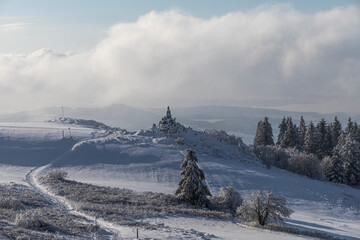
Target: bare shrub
x,y
56,174
305,164
264,207
228,199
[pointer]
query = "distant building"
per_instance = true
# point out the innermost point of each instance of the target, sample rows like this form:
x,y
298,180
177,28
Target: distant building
x,y
168,124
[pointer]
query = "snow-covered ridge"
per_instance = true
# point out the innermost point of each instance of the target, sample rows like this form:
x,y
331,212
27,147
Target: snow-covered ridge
x,y
84,123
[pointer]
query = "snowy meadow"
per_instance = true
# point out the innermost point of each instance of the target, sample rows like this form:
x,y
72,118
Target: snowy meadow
x,y
115,184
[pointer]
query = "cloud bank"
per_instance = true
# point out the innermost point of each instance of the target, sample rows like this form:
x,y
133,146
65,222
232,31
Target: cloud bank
x,y
268,54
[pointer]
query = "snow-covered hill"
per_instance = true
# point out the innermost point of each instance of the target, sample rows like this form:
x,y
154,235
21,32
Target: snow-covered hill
x,y
149,160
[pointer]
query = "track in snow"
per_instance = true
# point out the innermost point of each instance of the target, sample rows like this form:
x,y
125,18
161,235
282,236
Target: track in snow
x,y
66,206
113,231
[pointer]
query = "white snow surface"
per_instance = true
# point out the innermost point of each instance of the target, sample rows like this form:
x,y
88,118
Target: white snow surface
x,y
146,161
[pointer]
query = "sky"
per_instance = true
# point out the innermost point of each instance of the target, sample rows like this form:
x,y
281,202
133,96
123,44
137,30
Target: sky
x,y
289,55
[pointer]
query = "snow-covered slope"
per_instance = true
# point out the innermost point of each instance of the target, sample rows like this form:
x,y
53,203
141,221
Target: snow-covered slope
x,y
150,161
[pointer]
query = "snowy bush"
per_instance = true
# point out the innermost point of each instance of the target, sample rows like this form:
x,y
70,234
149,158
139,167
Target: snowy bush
x,y
264,207
305,164
222,136
59,175
228,199
324,164
179,141
272,156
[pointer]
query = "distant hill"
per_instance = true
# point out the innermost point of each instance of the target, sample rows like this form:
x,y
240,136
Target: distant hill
x,y
239,120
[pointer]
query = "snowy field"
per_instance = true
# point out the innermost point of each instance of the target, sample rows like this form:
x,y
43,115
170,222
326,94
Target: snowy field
x,y
147,162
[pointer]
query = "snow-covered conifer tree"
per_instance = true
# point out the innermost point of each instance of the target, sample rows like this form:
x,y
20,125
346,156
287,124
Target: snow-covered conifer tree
x,y
259,135
325,141
302,130
291,136
282,130
264,135
311,140
336,130
349,127
350,151
335,170
192,187
357,132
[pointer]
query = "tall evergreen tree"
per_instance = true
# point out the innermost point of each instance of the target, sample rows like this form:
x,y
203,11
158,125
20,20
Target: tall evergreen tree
x,y
336,130
264,135
291,136
358,134
349,127
302,131
335,170
192,188
350,151
311,139
324,139
298,140
259,138
282,129
287,140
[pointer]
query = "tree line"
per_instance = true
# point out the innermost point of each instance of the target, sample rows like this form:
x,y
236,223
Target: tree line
x,y
337,149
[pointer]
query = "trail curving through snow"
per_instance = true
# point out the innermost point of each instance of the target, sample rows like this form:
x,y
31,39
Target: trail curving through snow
x,y
113,231
65,205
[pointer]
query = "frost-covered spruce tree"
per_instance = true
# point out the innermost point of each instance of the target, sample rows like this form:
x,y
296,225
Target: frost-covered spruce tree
x,y
335,170
350,151
311,140
282,129
264,134
290,138
325,141
349,127
336,130
192,187
357,132
302,130
259,139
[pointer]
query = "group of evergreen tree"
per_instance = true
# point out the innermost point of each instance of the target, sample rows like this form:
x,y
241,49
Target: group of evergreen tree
x,y
322,140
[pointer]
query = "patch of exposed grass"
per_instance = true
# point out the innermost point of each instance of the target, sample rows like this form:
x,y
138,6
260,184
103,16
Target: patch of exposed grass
x,y
26,214
124,206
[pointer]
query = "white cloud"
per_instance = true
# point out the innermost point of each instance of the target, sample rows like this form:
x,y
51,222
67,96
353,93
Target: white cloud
x,y
12,26
273,53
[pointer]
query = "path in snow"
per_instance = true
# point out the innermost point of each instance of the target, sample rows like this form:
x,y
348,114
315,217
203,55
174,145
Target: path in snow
x,y
113,231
